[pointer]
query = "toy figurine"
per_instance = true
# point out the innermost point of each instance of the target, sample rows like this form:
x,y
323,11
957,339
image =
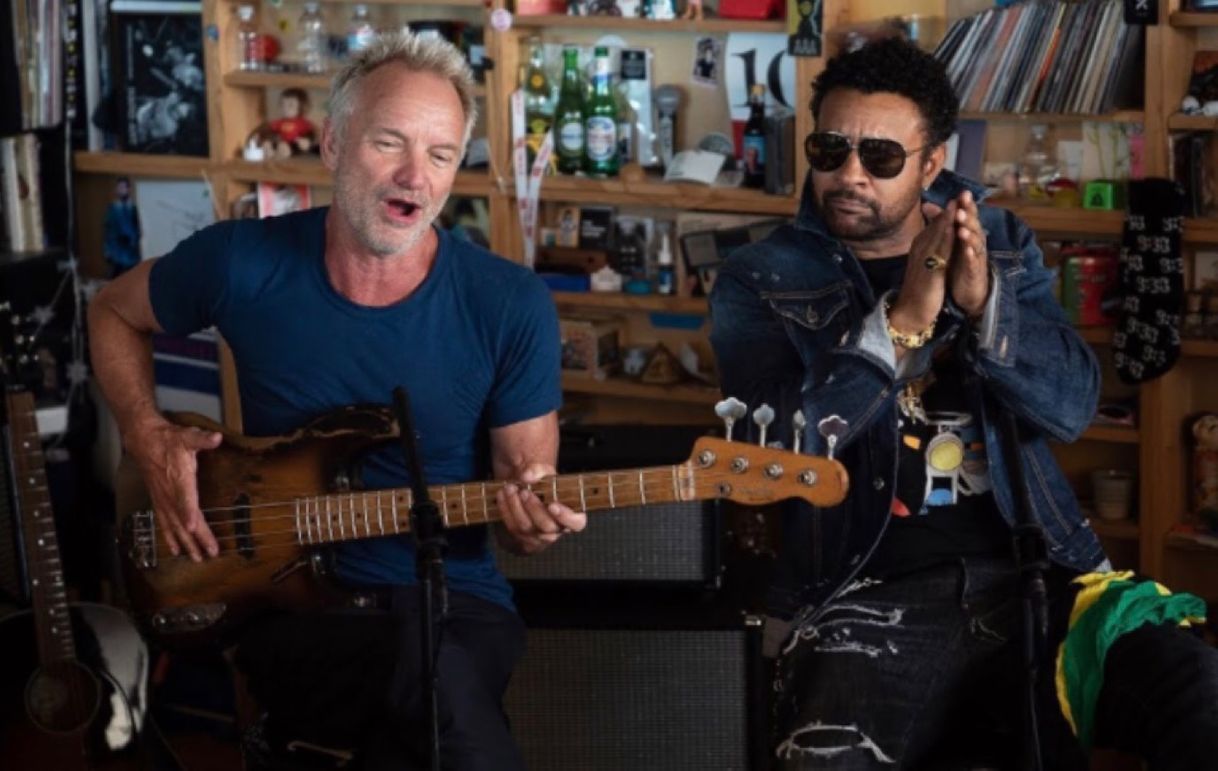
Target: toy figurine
x,y
121,243
693,10
291,134
1205,469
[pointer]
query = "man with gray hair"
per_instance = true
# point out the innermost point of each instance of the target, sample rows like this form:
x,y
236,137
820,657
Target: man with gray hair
x,y
340,305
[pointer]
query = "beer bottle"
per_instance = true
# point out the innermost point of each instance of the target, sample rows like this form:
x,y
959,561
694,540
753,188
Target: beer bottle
x,y
569,117
538,108
600,121
754,139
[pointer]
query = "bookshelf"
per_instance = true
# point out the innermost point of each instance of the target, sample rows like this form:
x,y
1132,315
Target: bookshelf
x,y
1155,447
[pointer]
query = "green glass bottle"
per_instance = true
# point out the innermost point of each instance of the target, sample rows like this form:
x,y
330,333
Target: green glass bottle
x,y
569,117
600,121
538,107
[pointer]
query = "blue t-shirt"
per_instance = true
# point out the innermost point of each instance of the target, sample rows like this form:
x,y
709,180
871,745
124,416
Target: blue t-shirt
x,y
476,346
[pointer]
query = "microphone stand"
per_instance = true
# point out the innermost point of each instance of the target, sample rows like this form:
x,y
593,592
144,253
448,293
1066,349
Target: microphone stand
x,y
428,529
1031,560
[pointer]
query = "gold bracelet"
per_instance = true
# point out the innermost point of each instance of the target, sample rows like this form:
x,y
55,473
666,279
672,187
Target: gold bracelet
x,y
908,340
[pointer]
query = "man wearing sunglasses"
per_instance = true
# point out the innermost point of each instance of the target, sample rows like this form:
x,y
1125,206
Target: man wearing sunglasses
x,y
903,318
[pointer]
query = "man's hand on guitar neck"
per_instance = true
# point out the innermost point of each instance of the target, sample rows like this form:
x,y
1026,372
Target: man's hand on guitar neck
x,y
168,459
529,525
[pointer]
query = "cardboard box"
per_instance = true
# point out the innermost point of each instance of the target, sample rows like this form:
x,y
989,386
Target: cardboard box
x,y
591,347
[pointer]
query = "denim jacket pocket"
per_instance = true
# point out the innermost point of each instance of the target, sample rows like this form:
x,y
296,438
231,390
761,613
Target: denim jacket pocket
x,y
1009,262
810,309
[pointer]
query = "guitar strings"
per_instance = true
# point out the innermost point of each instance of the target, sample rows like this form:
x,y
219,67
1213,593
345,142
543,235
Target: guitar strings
x,y
318,519
566,483
296,537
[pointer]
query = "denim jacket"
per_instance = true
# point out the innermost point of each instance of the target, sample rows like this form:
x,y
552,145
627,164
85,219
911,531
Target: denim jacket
x,y
796,325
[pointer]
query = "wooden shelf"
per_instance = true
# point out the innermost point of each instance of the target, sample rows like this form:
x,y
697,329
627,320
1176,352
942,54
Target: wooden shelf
x,y
1200,542
653,192
629,389
1194,19
1060,220
312,172
140,165
1199,348
722,26
1115,434
1117,530
1182,122
314,82
1201,230
632,302
1118,116
1096,335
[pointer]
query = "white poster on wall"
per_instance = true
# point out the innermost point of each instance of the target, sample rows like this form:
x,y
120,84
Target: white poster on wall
x,y
757,57
171,210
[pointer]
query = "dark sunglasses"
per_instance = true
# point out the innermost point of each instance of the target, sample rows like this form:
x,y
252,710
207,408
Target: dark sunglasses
x,y
882,158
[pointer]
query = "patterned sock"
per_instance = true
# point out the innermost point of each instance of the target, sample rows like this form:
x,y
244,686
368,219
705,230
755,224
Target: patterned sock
x,y
1146,342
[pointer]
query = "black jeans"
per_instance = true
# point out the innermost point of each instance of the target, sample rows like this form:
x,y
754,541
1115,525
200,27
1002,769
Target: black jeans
x,y
352,679
923,671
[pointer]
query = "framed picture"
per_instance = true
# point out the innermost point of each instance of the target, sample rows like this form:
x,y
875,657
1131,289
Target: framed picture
x,y
158,63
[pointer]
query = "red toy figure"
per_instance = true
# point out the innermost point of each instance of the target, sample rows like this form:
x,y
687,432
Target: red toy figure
x,y
292,134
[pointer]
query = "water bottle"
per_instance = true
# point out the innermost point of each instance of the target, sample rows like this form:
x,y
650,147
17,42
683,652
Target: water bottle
x,y
1036,169
361,32
248,56
312,45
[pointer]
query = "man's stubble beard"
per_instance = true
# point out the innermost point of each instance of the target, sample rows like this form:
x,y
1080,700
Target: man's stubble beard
x,y
363,220
873,228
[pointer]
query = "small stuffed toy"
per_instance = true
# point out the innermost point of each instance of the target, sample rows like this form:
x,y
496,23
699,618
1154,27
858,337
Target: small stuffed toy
x,y
1205,469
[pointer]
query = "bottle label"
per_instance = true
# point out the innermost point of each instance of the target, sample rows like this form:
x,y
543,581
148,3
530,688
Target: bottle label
x,y
754,154
571,137
536,81
601,138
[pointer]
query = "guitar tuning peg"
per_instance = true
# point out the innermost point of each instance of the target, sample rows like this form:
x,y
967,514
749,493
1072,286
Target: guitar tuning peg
x,y
833,428
729,411
763,416
798,423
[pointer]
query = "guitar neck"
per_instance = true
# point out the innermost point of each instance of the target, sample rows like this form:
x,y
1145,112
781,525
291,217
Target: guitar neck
x,y
48,593
357,515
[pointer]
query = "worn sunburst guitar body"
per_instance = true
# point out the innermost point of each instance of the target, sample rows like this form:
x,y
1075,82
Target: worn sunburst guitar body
x,y
272,501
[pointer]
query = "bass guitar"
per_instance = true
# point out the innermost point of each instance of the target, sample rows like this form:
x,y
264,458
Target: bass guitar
x,y
272,501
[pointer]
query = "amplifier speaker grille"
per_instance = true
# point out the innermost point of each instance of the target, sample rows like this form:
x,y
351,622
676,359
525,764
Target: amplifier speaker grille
x,y
615,699
668,542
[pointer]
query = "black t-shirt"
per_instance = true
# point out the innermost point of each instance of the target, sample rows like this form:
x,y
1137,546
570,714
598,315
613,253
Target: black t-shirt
x,y
943,506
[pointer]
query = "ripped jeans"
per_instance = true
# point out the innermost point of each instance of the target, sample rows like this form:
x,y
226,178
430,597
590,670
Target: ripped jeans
x,y
923,671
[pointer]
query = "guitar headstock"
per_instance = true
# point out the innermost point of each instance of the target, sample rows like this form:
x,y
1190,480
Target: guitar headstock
x,y
754,475
759,474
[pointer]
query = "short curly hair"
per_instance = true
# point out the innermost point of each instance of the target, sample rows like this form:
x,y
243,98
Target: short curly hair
x,y
894,65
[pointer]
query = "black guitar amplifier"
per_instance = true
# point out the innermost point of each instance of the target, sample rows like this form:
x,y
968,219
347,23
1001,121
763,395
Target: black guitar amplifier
x,y
642,699
667,543
670,543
